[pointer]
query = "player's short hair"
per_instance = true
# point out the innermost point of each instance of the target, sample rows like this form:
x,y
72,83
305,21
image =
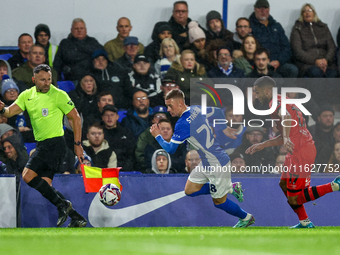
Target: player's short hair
x,y
24,34
181,2
104,93
265,81
176,94
35,46
96,125
42,67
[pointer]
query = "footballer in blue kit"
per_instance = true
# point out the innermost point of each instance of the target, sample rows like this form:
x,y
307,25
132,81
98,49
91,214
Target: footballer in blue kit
x,y
213,174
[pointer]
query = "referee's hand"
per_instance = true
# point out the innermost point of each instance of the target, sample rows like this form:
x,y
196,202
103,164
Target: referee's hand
x,y
79,151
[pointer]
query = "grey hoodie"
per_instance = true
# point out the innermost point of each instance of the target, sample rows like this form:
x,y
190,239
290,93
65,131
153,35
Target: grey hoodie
x,y
154,164
9,70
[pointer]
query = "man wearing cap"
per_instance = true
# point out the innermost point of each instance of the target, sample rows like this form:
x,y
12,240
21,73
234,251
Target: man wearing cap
x,y
161,30
216,29
271,36
322,133
167,85
42,35
36,56
142,77
254,135
120,139
225,67
25,41
114,47
74,54
262,65
109,77
179,23
131,48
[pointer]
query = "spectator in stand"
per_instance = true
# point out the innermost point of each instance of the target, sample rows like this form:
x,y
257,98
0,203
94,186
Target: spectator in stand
x,y
243,29
167,85
10,93
211,50
216,29
131,48
313,45
142,77
84,96
252,136
168,53
24,73
192,159
25,42
74,54
184,69
225,67
87,161
16,155
98,148
238,163
5,69
42,35
6,131
198,43
161,163
179,23
109,78
322,133
120,139
279,164
138,118
248,48
115,47
336,132
271,36
160,31
334,161
262,65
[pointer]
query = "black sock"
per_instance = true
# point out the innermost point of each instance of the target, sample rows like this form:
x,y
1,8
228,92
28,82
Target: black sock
x,y
46,190
73,213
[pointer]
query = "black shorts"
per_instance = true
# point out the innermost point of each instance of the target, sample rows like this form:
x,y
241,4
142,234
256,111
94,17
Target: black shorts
x,y
48,157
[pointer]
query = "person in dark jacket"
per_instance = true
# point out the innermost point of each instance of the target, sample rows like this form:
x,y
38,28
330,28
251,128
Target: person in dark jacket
x,y
179,23
262,66
131,49
74,54
160,31
25,41
271,36
42,35
216,29
313,45
16,155
225,67
121,140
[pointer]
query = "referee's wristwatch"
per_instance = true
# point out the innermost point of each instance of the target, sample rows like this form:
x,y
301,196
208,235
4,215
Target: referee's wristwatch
x,y
77,143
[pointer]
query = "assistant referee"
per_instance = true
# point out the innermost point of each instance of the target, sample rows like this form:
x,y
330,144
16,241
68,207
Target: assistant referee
x,y
46,106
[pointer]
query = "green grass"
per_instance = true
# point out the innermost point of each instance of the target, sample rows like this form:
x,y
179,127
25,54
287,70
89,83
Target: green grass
x,y
188,241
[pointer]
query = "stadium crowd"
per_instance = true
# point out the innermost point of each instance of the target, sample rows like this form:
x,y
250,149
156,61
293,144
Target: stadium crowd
x,y
118,88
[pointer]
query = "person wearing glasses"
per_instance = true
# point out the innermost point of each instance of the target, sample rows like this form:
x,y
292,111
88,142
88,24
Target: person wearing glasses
x,y
313,45
254,135
225,67
271,35
243,29
139,117
179,23
168,84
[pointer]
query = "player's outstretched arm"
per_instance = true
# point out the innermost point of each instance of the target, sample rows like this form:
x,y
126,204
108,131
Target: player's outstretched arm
x,y
9,111
269,143
170,147
76,121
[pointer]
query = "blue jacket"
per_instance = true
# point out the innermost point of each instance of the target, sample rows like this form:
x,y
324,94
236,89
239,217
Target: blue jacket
x,y
272,37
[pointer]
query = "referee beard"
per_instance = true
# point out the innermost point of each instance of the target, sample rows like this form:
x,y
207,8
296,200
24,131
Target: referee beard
x,y
47,106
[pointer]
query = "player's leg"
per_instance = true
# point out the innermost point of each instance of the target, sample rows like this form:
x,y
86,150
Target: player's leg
x,y
197,183
35,181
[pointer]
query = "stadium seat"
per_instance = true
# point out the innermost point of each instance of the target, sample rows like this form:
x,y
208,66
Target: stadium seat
x,y
67,86
5,56
122,115
29,147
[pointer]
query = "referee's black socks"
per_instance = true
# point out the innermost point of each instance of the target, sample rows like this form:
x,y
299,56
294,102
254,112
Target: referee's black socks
x,y
47,191
73,213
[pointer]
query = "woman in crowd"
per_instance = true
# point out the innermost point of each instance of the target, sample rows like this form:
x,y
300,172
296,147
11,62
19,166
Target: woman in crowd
x,y
249,46
184,69
168,53
334,161
313,46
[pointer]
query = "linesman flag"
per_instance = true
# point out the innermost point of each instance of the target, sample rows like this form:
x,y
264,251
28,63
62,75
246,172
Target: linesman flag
x,y
95,177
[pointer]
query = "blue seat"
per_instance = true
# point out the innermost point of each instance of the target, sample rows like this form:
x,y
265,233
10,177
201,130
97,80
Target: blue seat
x,y
5,56
29,147
67,86
122,115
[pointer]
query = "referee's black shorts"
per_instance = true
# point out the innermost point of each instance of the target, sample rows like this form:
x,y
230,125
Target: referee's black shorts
x,y
48,157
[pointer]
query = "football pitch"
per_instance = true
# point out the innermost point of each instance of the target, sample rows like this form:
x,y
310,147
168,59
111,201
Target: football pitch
x,y
185,240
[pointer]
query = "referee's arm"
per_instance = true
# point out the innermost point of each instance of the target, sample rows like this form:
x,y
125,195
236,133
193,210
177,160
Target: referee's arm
x,y
9,111
73,115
